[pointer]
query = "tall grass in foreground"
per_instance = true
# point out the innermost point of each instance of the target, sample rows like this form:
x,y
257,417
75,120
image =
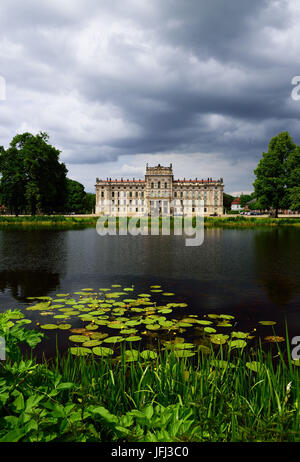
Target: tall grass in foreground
x,y
223,396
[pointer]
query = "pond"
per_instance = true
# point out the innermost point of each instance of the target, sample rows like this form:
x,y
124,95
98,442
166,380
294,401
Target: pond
x,y
252,274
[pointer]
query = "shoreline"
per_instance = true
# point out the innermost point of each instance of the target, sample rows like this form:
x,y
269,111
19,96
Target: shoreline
x,y
85,221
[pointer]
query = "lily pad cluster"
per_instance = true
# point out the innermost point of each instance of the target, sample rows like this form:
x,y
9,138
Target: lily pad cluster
x,y
102,321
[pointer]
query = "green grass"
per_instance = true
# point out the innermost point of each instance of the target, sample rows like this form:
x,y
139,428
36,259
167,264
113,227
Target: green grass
x,y
216,398
46,221
67,222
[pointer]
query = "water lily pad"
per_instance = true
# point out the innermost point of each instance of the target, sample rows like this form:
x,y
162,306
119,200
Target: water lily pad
x,y
165,310
49,326
237,344
78,330
148,354
274,339
92,343
98,335
267,323
133,338
101,322
64,326
77,338
166,324
39,307
116,325
204,322
129,331
183,346
209,330
133,322
184,324
167,294
115,339
239,334
219,339
103,351
255,366
80,351
23,321
131,355
39,298
153,326
92,327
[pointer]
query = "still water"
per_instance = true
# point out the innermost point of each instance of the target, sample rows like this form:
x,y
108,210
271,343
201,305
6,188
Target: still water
x,y
251,274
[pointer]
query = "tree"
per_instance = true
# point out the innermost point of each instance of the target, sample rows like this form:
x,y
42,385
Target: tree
x,y
32,176
293,167
274,174
13,183
227,201
75,197
89,203
244,198
295,198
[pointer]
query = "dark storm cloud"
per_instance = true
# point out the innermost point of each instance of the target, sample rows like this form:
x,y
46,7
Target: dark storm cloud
x,y
108,80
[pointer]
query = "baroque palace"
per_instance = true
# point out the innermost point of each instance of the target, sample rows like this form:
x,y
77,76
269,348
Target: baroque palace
x,y
158,191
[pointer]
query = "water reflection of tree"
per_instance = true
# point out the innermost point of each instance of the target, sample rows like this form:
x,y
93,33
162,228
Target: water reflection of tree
x,y
23,284
277,263
31,262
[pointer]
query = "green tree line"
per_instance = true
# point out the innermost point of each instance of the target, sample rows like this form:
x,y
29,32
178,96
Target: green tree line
x,y
34,181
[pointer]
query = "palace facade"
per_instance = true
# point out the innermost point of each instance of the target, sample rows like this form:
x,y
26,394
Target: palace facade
x,y
158,191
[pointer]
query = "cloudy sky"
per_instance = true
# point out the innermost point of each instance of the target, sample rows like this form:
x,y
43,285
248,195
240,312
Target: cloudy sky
x,y
202,84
